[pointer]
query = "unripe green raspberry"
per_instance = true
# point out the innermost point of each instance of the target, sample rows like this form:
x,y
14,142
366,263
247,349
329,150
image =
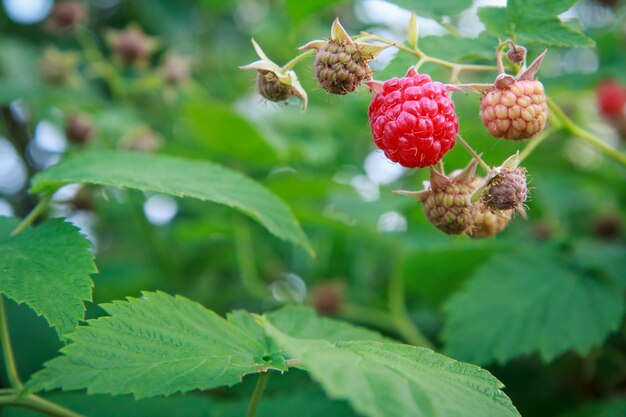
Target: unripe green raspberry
x,y
507,190
341,62
340,68
271,88
450,209
487,223
515,111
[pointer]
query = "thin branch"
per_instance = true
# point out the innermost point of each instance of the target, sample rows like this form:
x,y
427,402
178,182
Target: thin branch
x,y
591,139
7,349
474,154
28,220
258,393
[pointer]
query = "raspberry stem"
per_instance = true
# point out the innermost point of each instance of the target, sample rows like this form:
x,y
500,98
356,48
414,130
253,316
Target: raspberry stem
x,y
297,59
474,154
423,57
574,129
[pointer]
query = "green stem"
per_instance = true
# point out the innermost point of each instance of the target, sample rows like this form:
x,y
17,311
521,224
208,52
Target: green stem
x,y
35,402
35,212
397,308
100,64
534,142
474,154
7,349
422,56
591,139
297,59
246,259
261,383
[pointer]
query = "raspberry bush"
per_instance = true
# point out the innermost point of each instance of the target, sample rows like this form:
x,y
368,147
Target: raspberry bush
x,y
390,211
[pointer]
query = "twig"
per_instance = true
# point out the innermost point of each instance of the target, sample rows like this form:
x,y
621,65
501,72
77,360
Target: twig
x,y
258,393
474,154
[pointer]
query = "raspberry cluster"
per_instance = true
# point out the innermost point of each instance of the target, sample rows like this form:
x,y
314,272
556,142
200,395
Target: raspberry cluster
x,y
413,120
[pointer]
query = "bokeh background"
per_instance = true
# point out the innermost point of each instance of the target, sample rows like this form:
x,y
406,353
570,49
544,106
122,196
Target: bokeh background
x,y
321,162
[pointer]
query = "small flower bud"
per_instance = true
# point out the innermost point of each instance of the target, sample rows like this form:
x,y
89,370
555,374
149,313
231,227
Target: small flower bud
x,y
328,298
131,46
79,129
176,69
56,67
67,15
516,54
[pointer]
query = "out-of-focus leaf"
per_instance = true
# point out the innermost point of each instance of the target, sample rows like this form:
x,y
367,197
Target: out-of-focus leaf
x,y
300,10
429,273
179,177
434,9
615,408
47,267
534,22
216,131
309,403
524,302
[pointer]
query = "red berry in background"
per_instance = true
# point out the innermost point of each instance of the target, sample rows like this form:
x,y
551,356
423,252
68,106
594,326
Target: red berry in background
x,y
413,120
611,98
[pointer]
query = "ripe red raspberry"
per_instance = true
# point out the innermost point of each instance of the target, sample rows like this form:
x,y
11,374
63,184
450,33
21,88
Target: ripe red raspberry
x,y
413,120
514,109
611,98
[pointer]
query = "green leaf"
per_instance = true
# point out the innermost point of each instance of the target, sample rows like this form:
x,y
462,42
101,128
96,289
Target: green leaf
x,y
47,267
302,322
435,9
179,177
534,22
156,345
615,408
300,10
524,302
381,379
206,127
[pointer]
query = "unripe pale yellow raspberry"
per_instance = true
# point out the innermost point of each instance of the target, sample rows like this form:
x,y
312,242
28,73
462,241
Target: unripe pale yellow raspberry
x,y
515,111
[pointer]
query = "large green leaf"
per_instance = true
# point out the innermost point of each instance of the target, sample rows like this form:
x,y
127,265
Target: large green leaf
x,y
534,21
435,9
155,345
382,379
47,267
179,177
525,302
